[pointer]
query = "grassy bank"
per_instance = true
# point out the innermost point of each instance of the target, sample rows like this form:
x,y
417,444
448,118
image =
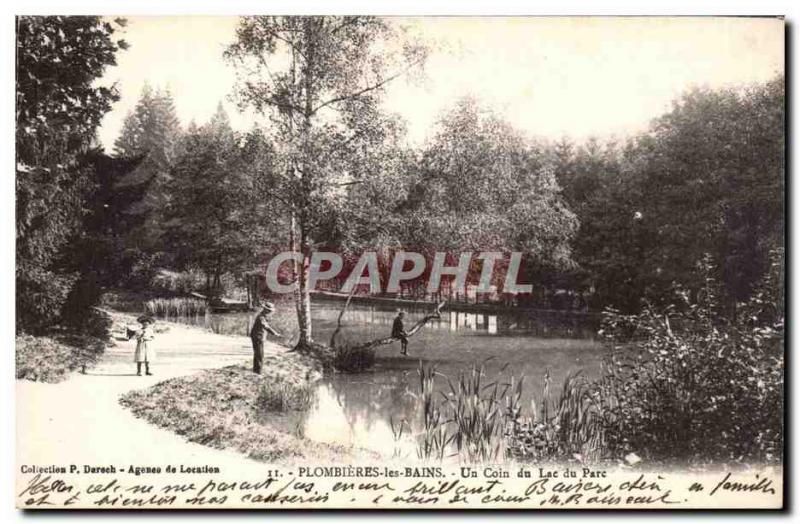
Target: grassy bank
x,y
53,355
52,358
233,408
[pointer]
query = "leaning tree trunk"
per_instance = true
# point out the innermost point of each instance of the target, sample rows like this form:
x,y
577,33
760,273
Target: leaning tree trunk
x,y
336,331
372,344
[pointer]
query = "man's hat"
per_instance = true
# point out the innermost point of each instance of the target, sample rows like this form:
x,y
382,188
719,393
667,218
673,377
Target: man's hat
x,y
146,318
268,305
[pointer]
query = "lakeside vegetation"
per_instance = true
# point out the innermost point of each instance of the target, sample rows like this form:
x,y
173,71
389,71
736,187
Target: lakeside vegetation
x,y
685,386
176,307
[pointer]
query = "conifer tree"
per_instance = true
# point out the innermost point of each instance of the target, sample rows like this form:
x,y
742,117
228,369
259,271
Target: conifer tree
x,y
151,132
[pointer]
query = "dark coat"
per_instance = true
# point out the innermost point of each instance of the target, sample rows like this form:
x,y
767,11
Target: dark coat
x,y
398,329
261,327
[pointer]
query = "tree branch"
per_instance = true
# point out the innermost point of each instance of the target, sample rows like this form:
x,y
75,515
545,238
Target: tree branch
x,y
332,343
437,314
367,89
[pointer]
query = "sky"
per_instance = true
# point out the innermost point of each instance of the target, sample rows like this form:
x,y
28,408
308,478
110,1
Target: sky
x,y
550,77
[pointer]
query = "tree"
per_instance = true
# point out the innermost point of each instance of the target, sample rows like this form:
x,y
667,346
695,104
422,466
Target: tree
x,y
609,245
716,161
151,132
98,255
215,217
481,185
59,106
706,178
320,79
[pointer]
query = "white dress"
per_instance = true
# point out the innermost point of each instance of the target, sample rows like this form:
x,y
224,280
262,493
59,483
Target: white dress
x,y
144,347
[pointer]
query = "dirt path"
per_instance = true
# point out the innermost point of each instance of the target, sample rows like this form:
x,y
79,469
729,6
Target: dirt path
x,y
79,421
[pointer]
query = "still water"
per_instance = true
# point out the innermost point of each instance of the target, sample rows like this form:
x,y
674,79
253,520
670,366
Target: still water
x,y
368,409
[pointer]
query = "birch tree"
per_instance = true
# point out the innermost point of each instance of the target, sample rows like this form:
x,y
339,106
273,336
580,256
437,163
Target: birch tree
x,y
320,80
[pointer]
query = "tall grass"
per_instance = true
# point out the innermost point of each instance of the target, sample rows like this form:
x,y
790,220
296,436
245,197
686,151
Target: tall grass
x,y
175,307
281,396
481,421
469,421
579,418
435,438
476,414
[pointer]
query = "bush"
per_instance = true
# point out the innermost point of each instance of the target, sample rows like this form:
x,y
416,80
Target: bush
x,y
143,272
352,358
688,384
40,297
282,396
52,359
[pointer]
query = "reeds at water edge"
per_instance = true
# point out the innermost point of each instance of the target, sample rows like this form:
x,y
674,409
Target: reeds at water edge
x,y
175,307
480,421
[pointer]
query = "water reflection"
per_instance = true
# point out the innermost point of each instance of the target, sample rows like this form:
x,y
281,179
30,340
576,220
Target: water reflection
x,y
348,416
551,325
544,325
367,409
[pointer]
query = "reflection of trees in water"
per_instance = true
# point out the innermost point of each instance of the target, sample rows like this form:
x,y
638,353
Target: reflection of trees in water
x,y
370,402
379,320
544,325
379,397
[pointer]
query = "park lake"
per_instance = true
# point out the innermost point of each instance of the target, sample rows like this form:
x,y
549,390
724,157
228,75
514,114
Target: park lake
x,y
368,409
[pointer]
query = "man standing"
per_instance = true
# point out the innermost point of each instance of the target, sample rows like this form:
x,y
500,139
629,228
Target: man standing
x,y
257,333
399,332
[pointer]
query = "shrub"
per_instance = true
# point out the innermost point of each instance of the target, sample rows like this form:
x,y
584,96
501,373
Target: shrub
x,y
52,359
40,297
352,359
143,271
282,396
689,384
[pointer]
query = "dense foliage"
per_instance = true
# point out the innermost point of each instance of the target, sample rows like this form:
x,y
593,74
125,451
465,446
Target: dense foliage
x,y
479,184
707,177
688,384
59,105
219,217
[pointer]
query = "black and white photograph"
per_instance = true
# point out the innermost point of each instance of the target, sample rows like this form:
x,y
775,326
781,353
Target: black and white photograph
x,y
272,262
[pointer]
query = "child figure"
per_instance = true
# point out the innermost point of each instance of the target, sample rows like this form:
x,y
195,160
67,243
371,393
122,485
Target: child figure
x,y
145,353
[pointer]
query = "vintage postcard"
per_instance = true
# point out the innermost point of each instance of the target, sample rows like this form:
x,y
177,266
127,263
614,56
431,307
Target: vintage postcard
x,y
283,262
